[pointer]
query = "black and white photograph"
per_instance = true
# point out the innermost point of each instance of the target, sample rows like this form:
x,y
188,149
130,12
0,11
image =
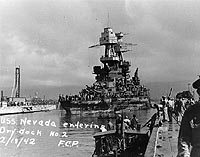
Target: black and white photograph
x,y
99,78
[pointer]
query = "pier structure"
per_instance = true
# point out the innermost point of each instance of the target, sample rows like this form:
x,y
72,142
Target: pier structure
x,y
163,141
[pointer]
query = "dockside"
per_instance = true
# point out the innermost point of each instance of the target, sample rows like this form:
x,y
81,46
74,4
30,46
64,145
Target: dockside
x,y
163,141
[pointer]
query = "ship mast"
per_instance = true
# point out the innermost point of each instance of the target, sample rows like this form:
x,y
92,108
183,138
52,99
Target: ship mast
x,y
114,66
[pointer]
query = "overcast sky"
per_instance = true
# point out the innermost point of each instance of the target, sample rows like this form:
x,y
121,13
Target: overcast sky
x,y
49,39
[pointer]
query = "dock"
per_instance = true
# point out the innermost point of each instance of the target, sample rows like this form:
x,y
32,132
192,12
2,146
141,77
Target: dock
x,y
163,141
167,140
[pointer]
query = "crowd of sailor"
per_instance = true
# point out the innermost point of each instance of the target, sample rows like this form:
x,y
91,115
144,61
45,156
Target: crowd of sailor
x,y
171,108
97,92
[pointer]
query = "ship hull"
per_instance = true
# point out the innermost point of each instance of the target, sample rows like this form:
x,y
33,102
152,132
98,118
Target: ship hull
x,y
103,109
85,107
25,109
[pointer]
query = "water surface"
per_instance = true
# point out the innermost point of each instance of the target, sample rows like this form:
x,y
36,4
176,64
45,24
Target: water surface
x,y
52,134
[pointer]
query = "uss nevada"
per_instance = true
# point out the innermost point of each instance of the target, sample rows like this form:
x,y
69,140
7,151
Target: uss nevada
x,y
113,88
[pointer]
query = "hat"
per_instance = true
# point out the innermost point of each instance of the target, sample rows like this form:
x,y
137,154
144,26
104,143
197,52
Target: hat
x,y
196,84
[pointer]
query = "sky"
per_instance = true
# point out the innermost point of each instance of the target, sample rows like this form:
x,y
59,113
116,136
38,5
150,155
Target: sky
x,y
49,39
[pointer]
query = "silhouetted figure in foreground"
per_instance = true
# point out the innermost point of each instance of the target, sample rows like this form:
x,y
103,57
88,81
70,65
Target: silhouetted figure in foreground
x,y
189,133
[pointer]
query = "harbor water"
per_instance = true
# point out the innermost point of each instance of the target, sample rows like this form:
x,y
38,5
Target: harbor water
x,y
53,133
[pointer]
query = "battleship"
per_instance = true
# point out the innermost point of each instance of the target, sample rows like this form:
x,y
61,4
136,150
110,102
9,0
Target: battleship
x,y
114,88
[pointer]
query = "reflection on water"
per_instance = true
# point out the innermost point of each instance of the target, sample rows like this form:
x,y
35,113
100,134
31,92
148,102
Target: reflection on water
x,y
52,134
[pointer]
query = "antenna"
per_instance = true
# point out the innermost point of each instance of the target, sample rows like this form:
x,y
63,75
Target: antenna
x,y
108,20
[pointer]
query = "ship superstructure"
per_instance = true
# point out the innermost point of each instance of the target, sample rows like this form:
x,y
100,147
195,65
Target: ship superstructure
x,y
115,73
